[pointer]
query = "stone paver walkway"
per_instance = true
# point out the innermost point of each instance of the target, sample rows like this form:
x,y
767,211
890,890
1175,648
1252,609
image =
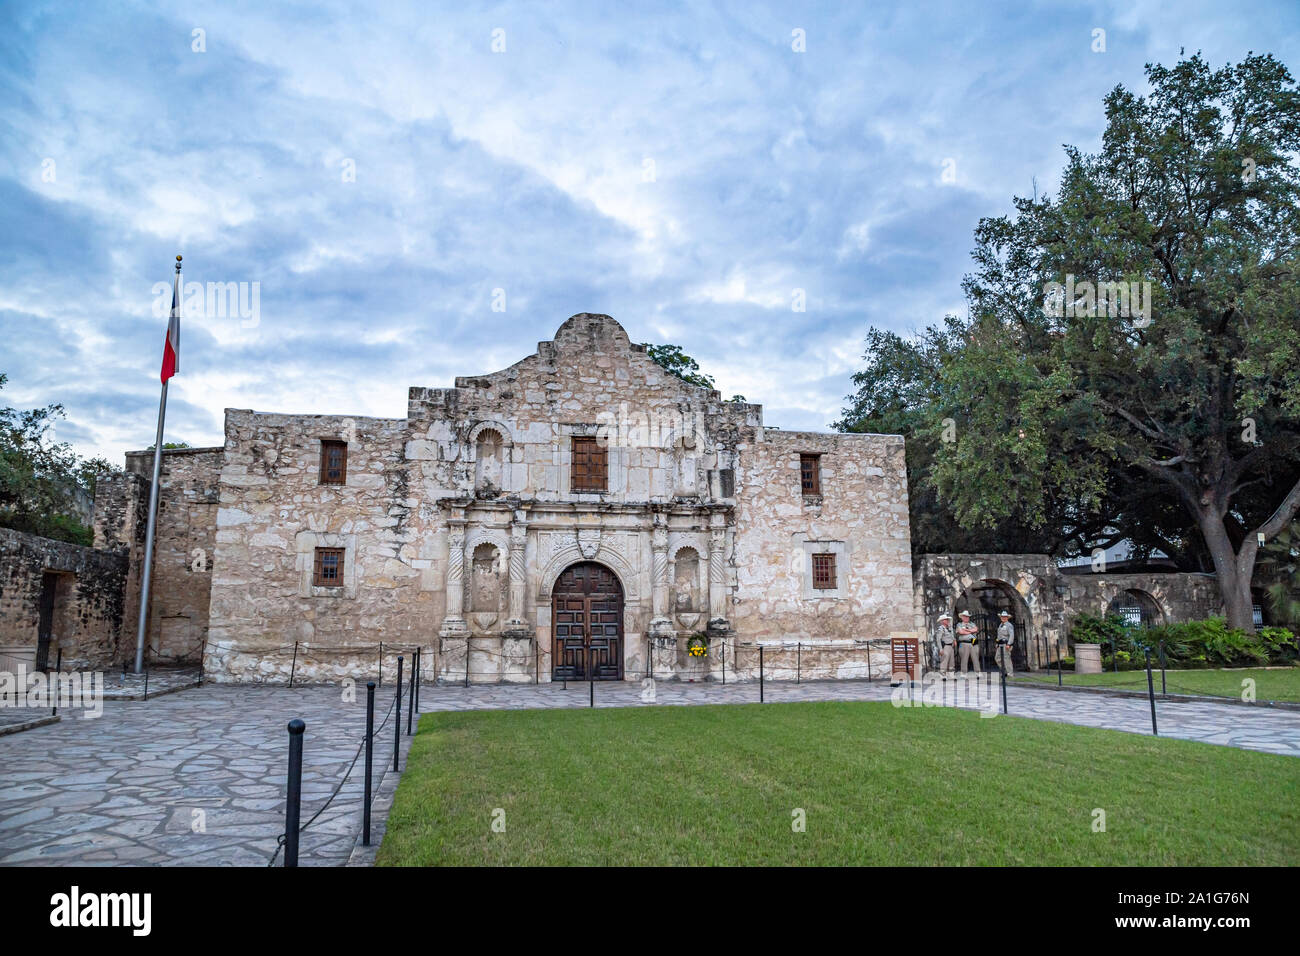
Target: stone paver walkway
x,y
125,788
193,777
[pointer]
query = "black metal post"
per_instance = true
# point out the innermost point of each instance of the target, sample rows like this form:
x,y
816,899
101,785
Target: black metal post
x,y
1151,693
293,794
380,678
419,671
1162,667
1004,689
591,680
537,662
1060,678
54,685
650,643
146,681
760,673
798,662
466,660
397,725
868,660
370,747
724,662
294,666
410,710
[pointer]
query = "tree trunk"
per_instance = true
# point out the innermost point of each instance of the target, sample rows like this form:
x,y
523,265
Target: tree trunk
x,y
1233,571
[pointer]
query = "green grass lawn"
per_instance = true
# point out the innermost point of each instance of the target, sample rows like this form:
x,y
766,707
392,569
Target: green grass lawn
x,y
879,785
1281,684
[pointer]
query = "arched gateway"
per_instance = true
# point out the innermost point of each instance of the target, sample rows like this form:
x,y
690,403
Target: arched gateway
x,y
587,624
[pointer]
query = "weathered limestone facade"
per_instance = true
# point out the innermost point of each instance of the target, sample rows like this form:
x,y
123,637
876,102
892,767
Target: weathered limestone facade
x,y
457,521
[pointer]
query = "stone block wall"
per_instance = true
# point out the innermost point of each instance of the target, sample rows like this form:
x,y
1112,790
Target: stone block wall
x,y
183,551
860,516
274,512
88,608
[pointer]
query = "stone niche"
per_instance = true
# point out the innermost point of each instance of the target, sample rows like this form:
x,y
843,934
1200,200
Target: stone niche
x,y
487,587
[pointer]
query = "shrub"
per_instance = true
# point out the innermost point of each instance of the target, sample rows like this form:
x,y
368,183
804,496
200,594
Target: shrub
x,y
1207,643
1211,643
1088,629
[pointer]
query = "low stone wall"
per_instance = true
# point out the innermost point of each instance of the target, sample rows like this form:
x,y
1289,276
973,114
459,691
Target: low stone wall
x,y
87,616
1045,600
1179,596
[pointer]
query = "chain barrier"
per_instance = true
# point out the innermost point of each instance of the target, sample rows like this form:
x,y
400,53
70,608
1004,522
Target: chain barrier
x,y
280,840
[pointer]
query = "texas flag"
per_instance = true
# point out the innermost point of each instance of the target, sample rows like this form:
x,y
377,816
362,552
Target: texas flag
x,y
171,362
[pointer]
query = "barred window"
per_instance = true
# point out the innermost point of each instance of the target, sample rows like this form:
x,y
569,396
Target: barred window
x,y
810,474
329,568
590,465
333,462
823,568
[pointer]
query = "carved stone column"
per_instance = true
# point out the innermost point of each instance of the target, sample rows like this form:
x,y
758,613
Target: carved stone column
x,y
718,574
453,622
517,626
661,634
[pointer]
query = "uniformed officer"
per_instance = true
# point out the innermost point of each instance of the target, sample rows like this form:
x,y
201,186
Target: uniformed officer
x,y
966,637
943,636
1006,640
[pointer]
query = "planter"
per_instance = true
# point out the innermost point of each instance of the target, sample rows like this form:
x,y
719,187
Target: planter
x,y
1087,658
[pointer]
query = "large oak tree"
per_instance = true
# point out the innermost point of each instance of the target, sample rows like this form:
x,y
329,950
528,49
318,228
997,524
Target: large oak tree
x,y
1179,426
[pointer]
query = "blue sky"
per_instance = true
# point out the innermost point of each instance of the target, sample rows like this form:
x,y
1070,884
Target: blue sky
x,y
681,167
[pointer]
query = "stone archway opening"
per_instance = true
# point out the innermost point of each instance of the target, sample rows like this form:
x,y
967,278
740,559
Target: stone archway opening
x,y
1136,608
985,600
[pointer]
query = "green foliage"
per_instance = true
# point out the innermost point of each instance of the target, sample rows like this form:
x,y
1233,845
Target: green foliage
x,y
1089,629
1088,428
1280,559
1206,643
673,359
39,478
58,527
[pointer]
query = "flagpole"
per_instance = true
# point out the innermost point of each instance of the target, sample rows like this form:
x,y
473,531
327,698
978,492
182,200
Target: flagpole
x,y
147,575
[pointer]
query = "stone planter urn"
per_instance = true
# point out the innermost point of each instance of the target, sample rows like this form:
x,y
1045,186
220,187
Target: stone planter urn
x,y
1087,658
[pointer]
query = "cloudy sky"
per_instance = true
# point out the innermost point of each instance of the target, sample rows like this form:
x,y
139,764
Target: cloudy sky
x,y
389,176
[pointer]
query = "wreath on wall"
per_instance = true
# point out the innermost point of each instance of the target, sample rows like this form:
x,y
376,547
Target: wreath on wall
x,y
697,645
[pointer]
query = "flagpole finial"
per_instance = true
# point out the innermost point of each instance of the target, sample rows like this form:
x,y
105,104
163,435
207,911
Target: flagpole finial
x,y
178,263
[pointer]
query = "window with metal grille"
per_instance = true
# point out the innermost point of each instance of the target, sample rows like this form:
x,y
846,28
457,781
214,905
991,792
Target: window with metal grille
x,y
590,465
823,572
810,474
329,568
727,482
333,462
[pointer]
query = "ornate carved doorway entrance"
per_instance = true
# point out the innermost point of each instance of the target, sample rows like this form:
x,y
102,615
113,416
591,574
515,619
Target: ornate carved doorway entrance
x,y
587,624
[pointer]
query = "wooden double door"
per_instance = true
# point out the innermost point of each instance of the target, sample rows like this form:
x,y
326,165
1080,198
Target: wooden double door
x,y
587,624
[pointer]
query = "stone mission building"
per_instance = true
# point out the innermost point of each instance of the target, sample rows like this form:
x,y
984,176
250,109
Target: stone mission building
x,y
582,512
